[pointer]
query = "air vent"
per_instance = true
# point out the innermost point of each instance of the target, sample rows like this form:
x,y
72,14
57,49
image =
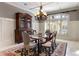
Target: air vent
x,y
25,4
63,12
69,11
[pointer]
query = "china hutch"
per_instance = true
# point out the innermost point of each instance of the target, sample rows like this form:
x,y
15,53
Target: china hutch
x,y
23,23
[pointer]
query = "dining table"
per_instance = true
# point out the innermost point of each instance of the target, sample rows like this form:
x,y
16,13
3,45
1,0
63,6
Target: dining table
x,y
37,39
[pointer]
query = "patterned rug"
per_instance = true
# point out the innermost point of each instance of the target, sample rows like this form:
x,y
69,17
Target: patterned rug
x,y
59,51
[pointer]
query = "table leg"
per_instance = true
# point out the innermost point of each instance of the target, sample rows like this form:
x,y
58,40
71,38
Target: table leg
x,y
49,51
38,48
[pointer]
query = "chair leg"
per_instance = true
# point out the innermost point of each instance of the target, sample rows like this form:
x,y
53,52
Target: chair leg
x,y
55,44
52,49
49,51
45,51
34,51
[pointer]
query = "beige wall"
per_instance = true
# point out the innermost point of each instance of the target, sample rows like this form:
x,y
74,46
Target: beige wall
x,y
7,27
73,28
35,24
73,31
7,24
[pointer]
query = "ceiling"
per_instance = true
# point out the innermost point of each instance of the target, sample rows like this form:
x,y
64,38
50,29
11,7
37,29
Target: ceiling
x,y
47,6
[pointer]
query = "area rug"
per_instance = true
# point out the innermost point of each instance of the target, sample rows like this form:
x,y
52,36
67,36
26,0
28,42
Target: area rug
x,y
59,51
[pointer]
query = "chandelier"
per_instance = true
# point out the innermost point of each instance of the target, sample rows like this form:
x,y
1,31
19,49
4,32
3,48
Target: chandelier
x,y
41,16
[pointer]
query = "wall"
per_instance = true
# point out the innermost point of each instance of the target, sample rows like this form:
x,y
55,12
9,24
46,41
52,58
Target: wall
x,y
41,27
7,24
7,27
73,27
35,24
73,30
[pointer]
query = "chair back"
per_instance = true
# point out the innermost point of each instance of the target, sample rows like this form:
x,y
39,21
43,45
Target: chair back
x,y
26,38
54,38
40,34
49,37
54,34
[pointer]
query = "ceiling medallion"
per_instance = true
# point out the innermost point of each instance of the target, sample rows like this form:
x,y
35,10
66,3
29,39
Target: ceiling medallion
x,y
41,16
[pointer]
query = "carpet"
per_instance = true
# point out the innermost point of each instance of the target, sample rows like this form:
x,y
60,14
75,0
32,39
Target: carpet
x,y
59,51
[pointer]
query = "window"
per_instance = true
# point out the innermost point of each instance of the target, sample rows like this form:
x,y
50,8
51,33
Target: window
x,y
57,22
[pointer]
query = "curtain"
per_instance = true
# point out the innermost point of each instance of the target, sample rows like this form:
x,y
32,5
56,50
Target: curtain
x,y
57,22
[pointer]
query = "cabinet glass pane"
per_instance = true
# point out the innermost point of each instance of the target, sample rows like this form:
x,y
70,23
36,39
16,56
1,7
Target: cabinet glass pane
x,y
21,23
28,24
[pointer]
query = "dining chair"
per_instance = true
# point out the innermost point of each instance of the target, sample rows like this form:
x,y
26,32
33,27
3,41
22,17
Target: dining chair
x,y
54,38
27,44
48,45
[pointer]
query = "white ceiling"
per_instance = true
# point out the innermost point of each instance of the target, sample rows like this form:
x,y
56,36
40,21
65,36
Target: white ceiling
x,y
47,6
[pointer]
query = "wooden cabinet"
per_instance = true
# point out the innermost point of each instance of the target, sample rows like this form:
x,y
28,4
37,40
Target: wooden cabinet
x,y
23,23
